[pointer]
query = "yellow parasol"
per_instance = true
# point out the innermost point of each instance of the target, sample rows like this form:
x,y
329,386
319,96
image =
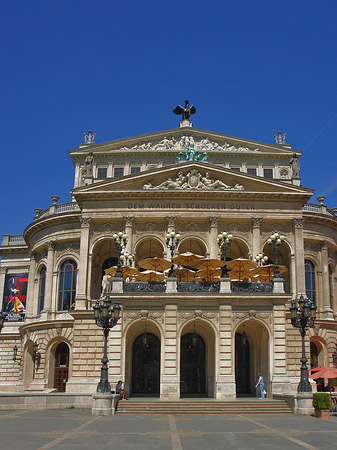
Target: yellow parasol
x,y
239,268
186,259
156,264
184,274
150,276
265,273
208,263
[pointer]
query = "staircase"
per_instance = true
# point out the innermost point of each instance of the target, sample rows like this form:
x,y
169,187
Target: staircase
x,y
207,406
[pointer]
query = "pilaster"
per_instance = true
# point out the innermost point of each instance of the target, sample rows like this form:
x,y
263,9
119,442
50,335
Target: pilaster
x,y
299,255
31,304
213,233
225,377
170,380
49,277
81,292
327,311
256,236
128,226
280,382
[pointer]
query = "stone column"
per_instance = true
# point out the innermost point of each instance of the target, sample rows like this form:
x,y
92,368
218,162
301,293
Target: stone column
x,y
256,236
293,275
225,377
299,255
280,382
213,234
128,226
81,291
3,271
31,305
49,277
170,380
327,311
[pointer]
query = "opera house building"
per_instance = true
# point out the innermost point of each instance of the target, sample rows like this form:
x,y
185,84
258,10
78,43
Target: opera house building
x,y
205,240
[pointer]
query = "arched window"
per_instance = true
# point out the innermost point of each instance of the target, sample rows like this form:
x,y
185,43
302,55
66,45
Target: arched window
x,y
42,287
67,286
331,287
310,286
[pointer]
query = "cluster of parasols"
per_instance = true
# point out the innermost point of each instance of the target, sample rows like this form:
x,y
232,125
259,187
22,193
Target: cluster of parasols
x,y
196,268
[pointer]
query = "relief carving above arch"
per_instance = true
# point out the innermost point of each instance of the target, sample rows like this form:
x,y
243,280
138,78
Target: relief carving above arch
x,y
197,315
67,247
143,314
252,314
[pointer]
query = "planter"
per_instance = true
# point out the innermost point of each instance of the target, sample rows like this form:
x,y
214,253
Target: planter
x,y
322,413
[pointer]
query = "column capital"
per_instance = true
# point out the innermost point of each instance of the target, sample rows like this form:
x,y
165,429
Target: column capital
x,y
298,223
213,221
256,222
171,221
128,221
50,245
3,269
324,245
85,221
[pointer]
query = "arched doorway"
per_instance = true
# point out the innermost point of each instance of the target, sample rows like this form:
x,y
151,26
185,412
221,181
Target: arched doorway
x,y
251,356
146,365
61,367
192,365
242,364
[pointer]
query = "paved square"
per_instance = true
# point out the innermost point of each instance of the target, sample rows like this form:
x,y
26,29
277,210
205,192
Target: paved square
x,y
78,429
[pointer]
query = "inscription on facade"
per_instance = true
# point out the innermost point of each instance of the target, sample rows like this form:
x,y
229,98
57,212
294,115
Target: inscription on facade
x,y
191,205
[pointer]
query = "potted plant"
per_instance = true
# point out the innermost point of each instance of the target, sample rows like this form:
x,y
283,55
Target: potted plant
x,y
321,403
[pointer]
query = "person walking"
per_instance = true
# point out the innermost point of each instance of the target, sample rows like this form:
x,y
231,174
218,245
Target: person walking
x,y
261,384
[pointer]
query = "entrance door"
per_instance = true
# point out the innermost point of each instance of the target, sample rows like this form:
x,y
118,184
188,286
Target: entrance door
x,y
242,366
61,367
146,365
192,365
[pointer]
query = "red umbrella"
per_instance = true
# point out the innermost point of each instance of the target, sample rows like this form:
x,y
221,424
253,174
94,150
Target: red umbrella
x,y
314,369
326,372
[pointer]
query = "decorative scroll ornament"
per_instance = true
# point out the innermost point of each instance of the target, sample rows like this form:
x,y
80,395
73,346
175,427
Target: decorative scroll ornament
x,y
194,180
143,315
252,314
198,314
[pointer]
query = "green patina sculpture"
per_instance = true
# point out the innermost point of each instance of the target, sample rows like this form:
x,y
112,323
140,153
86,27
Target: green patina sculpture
x,y
192,153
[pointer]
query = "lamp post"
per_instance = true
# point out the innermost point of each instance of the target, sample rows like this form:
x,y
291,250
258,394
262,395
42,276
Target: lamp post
x,y
224,242
261,259
127,259
172,241
303,315
106,317
2,320
120,241
275,241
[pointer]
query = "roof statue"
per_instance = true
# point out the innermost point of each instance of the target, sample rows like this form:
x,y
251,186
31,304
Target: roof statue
x,y
186,111
279,138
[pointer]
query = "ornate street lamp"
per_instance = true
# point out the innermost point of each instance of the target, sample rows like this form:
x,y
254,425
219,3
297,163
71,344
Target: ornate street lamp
x,y
275,241
261,259
224,242
120,241
172,241
127,259
303,315
2,320
106,318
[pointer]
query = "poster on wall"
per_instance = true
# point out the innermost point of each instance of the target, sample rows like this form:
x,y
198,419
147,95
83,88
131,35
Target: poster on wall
x,y
14,299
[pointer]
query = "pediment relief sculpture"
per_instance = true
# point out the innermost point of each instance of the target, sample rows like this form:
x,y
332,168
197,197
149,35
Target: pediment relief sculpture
x,y
194,180
201,145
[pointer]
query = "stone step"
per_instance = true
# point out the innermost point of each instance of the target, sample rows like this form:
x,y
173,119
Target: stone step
x,y
203,407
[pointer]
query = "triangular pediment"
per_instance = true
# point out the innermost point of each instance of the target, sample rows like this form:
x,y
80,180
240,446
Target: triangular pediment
x,y
174,141
189,178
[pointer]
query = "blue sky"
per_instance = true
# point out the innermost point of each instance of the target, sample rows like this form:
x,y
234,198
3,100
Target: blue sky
x,y
119,68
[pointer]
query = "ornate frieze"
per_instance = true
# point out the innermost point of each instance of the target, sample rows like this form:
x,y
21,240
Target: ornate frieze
x,y
152,227
194,180
98,229
67,247
252,314
203,144
197,315
311,248
143,315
